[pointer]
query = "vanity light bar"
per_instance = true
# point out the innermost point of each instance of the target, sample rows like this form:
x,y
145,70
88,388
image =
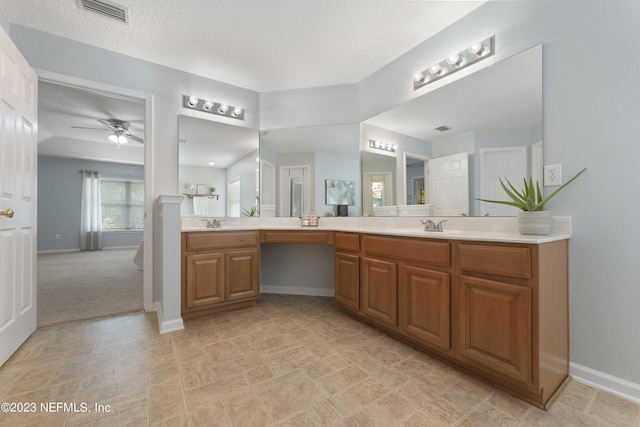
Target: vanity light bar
x,y
457,61
379,145
207,106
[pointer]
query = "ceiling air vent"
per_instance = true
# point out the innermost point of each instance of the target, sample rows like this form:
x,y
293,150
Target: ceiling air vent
x,y
105,8
443,128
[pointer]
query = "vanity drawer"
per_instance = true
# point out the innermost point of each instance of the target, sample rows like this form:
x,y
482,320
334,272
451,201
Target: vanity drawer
x,y
421,250
349,242
512,261
221,240
294,236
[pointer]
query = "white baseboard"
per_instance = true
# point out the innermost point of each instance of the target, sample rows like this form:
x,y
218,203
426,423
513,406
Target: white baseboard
x,y
170,326
292,290
602,381
58,251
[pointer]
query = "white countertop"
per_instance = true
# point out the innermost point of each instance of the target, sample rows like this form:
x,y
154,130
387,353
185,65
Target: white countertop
x,y
494,232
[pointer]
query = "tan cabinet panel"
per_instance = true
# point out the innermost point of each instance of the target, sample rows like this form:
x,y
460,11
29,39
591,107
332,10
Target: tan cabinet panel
x,y
379,290
424,305
494,320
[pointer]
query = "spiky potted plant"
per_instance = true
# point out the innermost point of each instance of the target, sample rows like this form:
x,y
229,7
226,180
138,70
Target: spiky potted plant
x,y
532,218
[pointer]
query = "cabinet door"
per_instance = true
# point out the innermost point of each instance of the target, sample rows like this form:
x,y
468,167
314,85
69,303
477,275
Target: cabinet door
x,y
204,280
379,290
347,290
242,275
494,320
424,305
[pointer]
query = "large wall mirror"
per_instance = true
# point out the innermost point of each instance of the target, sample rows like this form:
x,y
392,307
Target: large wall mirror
x,y
218,168
299,166
453,143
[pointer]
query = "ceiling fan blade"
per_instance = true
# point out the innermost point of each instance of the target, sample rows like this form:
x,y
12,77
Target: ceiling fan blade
x,y
135,138
107,123
82,127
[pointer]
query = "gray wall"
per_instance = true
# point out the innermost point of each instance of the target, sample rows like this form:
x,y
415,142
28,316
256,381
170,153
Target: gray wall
x,y
591,109
59,195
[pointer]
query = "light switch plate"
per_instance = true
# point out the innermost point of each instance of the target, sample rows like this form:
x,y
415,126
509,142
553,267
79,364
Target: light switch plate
x,y
552,175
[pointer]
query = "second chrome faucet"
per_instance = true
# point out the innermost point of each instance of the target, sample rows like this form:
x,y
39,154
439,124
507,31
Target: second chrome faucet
x,y
430,225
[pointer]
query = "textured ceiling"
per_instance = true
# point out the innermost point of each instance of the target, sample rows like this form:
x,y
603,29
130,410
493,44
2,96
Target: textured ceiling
x,y
263,45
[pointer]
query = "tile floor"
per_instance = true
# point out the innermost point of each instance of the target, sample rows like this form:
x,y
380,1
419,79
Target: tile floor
x,y
290,361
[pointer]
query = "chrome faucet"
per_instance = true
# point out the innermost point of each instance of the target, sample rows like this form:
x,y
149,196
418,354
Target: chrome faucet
x,y
429,225
214,223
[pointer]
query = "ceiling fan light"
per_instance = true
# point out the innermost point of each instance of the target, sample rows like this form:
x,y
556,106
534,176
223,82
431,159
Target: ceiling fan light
x,y
113,137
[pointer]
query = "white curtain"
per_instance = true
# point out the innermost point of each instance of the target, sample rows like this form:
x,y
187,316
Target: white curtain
x,y
91,219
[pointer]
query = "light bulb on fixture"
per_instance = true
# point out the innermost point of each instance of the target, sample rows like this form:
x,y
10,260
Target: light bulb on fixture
x,y
477,49
419,77
193,100
223,108
455,60
208,105
436,69
237,111
118,138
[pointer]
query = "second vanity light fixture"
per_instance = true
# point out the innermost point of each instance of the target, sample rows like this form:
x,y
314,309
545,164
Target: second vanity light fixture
x,y
207,106
380,145
455,62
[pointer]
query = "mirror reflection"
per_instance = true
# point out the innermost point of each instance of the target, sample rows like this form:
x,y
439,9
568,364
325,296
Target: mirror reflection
x,y
218,168
299,166
453,143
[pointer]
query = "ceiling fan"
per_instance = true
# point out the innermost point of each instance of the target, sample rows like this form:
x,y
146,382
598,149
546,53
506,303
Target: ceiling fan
x,y
120,133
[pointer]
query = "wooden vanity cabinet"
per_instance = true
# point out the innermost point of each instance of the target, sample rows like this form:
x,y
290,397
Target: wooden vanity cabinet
x,y
405,286
347,270
512,315
219,270
499,310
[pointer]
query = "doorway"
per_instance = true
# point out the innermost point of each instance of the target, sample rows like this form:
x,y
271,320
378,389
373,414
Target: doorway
x,y
127,189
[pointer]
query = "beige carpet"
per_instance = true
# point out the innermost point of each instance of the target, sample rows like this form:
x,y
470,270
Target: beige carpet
x,y
86,285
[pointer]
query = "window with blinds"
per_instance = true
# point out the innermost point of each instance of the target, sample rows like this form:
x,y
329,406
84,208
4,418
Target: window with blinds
x,y
122,204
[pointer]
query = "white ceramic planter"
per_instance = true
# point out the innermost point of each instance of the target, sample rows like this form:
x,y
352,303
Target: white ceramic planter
x,y
538,222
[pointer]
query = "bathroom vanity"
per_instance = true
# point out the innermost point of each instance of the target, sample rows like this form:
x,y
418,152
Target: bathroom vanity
x,y
493,303
499,310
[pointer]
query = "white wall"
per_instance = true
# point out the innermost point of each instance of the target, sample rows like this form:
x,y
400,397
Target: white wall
x,y
245,169
210,177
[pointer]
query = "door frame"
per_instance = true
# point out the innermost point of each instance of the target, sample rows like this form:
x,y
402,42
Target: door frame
x,y
149,173
284,187
425,159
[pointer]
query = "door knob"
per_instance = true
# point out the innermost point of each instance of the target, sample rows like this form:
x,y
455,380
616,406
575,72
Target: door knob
x,y
8,213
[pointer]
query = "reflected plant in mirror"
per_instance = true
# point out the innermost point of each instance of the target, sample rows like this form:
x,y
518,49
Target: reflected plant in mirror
x,y
223,158
455,141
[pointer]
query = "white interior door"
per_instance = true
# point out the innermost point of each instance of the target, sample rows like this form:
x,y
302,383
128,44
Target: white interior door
x,y
378,191
233,197
295,191
268,190
449,185
18,160
508,162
